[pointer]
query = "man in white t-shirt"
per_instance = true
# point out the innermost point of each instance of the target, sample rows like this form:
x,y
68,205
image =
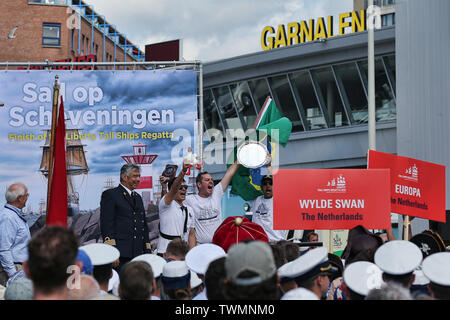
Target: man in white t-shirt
x,y
263,211
207,204
174,216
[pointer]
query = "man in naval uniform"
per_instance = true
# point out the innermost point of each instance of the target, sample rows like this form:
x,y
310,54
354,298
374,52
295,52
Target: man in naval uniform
x,y
122,217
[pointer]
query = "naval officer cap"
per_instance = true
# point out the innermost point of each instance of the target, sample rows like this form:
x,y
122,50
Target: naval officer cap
x,y
156,263
299,294
398,257
175,275
307,266
363,276
100,253
199,257
436,268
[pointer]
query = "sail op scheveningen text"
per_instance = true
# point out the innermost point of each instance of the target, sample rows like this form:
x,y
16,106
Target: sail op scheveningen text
x,y
120,135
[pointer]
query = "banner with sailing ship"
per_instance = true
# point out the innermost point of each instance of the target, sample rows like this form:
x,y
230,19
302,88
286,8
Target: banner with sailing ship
x,y
112,118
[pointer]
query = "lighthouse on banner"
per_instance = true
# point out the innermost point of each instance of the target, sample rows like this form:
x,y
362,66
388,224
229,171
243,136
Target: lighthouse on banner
x,y
144,160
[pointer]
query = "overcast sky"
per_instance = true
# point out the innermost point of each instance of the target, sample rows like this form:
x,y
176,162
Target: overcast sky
x,y
210,29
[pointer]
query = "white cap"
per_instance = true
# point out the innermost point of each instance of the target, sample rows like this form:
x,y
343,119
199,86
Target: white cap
x,y
420,279
195,280
436,268
363,276
299,294
100,253
175,269
313,262
398,257
199,257
113,280
156,262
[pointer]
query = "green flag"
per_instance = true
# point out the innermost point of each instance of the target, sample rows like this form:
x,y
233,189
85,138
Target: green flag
x,y
272,127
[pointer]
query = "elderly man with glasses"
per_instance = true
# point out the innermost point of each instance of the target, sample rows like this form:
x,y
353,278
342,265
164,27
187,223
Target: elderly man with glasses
x,y
175,219
14,232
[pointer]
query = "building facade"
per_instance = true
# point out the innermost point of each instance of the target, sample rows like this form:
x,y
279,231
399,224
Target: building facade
x,y
387,9
60,30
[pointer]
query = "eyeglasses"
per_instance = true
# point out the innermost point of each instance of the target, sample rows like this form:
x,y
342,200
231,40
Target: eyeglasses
x,y
185,187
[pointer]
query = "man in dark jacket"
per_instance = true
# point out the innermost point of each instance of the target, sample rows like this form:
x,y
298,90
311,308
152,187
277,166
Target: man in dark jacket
x,y
122,216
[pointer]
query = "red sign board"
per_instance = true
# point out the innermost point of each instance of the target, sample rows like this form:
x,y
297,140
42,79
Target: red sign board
x,y
417,187
331,199
145,183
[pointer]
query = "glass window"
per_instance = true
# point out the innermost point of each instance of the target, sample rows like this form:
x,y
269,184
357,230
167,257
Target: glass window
x,y
260,92
210,115
384,99
330,98
388,19
51,34
353,90
390,66
226,107
244,103
302,84
280,88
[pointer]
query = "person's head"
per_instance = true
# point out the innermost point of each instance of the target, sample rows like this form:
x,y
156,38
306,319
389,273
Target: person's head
x,y
390,291
267,186
359,278
278,254
291,250
157,264
17,195
19,289
85,262
214,279
51,252
250,272
176,279
86,289
313,237
200,256
205,184
361,245
435,268
136,281
130,175
180,196
398,259
176,250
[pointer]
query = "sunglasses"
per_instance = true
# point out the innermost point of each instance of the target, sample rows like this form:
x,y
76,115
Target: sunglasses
x,y
185,187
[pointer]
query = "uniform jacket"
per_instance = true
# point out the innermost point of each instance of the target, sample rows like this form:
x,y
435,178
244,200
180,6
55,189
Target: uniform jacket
x,y
124,223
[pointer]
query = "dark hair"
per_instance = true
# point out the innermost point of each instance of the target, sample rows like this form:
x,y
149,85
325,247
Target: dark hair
x,y
102,273
311,234
177,248
440,292
199,177
214,278
291,250
278,254
51,251
266,290
403,280
136,281
178,294
308,283
352,295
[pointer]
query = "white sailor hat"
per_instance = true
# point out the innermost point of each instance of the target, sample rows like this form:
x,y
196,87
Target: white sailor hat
x,y
175,275
199,257
420,279
195,280
398,257
299,294
156,262
362,276
436,268
100,253
306,266
113,280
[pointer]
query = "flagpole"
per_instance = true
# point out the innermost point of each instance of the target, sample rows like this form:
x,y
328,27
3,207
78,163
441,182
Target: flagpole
x,y
371,76
56,88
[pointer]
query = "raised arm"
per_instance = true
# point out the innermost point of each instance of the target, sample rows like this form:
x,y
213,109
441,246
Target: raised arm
x,y
176,184
226,180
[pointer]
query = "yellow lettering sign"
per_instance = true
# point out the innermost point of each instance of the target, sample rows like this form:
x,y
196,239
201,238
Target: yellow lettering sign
x,y
267,41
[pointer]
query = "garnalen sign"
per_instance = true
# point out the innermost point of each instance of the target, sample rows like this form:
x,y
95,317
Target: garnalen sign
x,y
304,31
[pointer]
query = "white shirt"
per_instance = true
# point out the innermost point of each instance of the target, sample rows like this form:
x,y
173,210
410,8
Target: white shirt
x,y
207,214
128,190
263,215
171,219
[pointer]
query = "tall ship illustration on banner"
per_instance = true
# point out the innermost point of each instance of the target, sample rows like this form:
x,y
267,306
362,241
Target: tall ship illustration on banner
x,y
76,166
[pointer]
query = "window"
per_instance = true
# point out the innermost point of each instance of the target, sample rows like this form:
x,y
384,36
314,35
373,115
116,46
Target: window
x,y
51,34
226,108
388,20
244,102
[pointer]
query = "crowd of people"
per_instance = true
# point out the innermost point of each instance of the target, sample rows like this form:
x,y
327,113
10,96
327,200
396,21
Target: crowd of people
x,y
201,256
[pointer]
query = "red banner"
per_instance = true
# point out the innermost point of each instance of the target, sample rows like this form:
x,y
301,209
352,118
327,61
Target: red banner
x,y
417,187
331,199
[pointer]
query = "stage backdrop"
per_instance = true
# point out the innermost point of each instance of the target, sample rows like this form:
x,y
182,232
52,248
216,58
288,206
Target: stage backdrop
x,y
111,118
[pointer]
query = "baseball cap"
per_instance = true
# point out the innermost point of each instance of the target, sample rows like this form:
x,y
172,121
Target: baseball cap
x,y
255,256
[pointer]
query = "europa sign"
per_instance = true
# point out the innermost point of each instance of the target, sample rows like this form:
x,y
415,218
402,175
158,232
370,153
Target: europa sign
x,y
303,31
331,199
417,187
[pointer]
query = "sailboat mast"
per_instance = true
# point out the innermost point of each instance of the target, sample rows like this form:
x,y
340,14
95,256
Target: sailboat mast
x,y
56,88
